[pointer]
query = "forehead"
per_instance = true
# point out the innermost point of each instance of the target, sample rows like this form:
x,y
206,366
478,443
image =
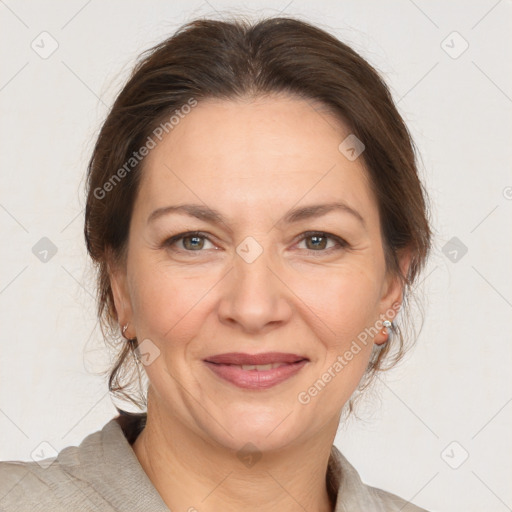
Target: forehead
x,y
255,155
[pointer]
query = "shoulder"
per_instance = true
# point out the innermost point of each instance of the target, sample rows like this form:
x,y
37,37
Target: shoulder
x,y
55,483
101,474
392,502
352,494
30,486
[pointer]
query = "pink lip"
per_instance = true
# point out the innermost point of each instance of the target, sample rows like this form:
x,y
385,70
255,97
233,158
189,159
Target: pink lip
x,y
223,366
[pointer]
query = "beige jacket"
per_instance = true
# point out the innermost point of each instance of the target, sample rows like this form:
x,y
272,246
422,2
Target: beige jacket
x,y
103,474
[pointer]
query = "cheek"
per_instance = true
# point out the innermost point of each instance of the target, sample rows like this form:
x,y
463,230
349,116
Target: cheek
x,y
347,306
165,303
344,300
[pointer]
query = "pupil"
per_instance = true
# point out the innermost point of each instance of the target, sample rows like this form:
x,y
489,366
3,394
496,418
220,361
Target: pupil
x,y
317,238
195,240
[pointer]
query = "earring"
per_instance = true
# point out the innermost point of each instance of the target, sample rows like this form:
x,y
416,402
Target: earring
x,y
386,324
130,340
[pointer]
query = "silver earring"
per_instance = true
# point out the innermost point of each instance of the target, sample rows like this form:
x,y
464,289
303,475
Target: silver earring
x,y
386,324
131,340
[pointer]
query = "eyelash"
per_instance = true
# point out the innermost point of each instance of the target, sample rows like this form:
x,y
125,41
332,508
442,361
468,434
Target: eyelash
x,y
341,244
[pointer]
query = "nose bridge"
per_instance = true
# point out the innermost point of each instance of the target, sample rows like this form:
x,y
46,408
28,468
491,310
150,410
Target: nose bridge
x,y
253,258
254,296
252,274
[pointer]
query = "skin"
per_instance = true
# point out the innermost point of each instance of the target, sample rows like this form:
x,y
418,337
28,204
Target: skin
x,y
252,160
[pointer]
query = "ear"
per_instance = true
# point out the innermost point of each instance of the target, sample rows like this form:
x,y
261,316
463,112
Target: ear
x,y
392,293
120,291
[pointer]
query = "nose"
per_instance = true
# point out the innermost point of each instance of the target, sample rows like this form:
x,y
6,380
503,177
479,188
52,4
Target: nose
x,y
254,296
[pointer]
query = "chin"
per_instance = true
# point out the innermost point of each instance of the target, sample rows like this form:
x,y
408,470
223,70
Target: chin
x,y
264,427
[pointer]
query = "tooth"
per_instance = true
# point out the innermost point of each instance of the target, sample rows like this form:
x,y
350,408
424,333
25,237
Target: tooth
x,y
259,367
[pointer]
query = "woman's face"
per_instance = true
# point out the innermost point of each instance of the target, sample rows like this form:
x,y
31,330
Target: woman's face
x,y
255,281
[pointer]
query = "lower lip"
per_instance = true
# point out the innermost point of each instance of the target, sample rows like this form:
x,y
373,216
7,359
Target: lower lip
x,y
254,379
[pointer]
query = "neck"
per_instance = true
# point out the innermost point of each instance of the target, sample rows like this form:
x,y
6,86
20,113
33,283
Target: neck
x,y
191,473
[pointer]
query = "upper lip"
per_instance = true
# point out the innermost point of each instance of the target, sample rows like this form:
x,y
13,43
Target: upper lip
x,y
240,358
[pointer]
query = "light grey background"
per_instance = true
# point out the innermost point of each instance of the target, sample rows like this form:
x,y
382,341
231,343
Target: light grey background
x,y
452,396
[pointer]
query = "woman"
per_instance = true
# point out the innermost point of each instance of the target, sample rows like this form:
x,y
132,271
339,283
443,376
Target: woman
x,y
257,221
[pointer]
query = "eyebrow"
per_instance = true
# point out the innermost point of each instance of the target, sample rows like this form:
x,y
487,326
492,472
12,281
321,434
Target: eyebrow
x,y
295,215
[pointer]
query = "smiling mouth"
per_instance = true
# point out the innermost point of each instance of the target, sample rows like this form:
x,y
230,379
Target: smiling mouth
x,y
257,371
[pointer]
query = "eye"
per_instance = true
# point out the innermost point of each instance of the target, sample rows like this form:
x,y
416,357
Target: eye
x,y
192,241
319,241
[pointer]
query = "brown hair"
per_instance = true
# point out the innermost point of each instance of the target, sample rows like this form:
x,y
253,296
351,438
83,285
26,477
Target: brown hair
x,y
228,60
